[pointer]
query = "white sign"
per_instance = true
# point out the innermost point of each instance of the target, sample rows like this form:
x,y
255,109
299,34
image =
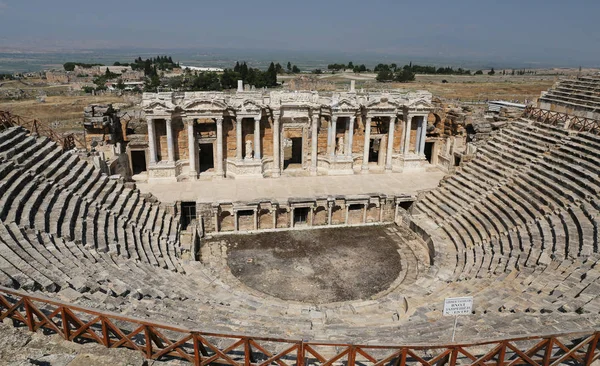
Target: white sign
x,y
458,306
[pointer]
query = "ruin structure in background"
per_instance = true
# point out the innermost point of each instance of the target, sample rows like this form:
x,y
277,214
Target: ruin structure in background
x,y
193,134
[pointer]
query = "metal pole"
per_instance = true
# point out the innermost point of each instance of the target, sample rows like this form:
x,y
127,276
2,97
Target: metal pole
x,y
454,329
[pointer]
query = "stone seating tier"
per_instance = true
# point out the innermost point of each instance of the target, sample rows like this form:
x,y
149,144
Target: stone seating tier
x,y
60,194
516,228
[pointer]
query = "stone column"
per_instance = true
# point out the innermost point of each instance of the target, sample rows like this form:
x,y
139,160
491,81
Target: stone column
x,y
236,224
257,138
151,140
381,206
276,146
422,136
291,217
350,136
274,216
347,207
314,142
365,163
170,142
219,169
255,219
390,145
365,206
328,137
216,218
192,149
407,134
329,211
333,133
238,138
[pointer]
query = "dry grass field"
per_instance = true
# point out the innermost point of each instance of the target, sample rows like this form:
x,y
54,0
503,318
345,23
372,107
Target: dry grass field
x,y
64,112
455,87
482,90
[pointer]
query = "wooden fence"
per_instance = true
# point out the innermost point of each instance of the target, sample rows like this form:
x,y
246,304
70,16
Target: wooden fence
x,y
66,140
163,341
580,124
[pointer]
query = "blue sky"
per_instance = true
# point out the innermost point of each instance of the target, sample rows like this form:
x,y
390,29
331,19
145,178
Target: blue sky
x,y
526,30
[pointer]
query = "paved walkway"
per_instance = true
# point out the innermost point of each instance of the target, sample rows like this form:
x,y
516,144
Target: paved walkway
x,y
287,187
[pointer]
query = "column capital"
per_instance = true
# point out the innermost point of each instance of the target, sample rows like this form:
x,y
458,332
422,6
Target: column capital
x,y
219,120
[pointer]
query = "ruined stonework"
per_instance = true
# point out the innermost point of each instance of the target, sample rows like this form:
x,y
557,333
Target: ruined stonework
x,y
269,133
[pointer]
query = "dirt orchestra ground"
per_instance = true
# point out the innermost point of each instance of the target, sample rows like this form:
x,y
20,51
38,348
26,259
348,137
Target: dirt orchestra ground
x,y
315,266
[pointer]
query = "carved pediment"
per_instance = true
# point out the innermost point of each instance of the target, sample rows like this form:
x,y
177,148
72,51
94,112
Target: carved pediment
x,y
204,105
344,105
159,106
421,104
383,103
250,106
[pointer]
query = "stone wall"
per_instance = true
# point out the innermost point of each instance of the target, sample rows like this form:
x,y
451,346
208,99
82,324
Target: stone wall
x,y
344,211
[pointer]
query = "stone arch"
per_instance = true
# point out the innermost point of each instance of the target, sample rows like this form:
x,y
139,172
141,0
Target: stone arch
x,y
433,119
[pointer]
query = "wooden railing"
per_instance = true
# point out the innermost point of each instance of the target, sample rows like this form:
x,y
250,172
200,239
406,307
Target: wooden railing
x,y
67,141
580,124
160,341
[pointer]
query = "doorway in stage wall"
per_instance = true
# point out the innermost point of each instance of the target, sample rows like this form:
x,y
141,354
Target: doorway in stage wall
x,y
292,154
138,161
206,157
188,214
374,147
428,151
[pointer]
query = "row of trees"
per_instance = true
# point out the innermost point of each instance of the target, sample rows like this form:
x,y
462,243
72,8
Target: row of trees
x,y
350,66
204,81
394,73
70,66
424,69
152,66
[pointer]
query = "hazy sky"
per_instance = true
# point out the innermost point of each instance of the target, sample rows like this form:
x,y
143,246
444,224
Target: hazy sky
x,y
524,30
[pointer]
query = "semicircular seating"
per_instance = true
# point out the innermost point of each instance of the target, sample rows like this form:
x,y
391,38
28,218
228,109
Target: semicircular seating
x,y
516,228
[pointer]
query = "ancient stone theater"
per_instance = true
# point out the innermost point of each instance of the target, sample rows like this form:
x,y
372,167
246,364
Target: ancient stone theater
x,y
295,264
262,134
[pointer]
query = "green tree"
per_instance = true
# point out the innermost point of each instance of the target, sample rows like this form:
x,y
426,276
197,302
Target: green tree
x,y
120,84
69,66
271,75
278,68
289,66
480,72
152,83
491,72
404,75
229,78
384,74
295,69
